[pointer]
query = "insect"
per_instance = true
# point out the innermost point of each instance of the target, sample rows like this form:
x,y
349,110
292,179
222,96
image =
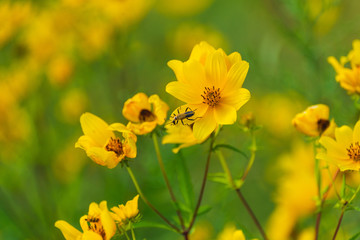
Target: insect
x,y
182,116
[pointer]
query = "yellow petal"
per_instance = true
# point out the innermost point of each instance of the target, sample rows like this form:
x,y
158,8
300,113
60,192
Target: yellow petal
x,y
332,147
133,106
344,136
238,235
103,157
356,134
225,114
216,69
119,127
159,108
205,126
336,65
201,51
130,150
90,235
236,75
194,74
236,98
142,128
234,58
177,67
95,128
69,232
107,221
85,142
184,92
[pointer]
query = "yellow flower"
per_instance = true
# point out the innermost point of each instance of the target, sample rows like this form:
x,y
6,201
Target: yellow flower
x,y
210,82
344,150
123,214
144,113
101,144
349,78
231,233
314,121
73,104
60,70
182,7
97,225
180,134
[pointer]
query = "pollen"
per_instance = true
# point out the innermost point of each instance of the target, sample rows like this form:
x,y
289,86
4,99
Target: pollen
x,y
95,225
115,146
146,116
354,151
211,96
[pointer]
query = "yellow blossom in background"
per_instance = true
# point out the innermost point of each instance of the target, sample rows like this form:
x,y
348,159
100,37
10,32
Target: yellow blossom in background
x,y
60,70
314,121
296,190
349,78
67,164
344,150
323,13
144,113
101,144
182,7
122,214
202,231
97,225
13,15
187,35
231,233
72,105
210,82
275,113
307,234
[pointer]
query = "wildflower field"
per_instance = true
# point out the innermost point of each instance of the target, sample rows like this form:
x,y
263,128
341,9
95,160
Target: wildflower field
x,y
180,119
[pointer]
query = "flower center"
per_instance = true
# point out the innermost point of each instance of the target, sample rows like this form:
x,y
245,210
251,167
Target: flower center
x,y
95,225
211,96
146,116
354,151
322,125
115,146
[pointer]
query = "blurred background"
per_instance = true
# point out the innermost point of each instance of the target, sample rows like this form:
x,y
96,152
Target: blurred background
x,y
59,59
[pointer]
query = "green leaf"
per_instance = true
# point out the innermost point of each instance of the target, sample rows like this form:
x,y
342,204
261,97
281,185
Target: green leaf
x,y
148,224
204,209
355,236
231,148
218,178
185,184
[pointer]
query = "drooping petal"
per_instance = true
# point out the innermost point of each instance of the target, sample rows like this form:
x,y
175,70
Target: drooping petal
x,y
225,114
184,92
133,106
205,126
236,75
236,98
85,142
69,232
215,69
103,157
95,128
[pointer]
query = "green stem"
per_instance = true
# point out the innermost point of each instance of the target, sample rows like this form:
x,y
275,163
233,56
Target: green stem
x,y
253,149
242,198
323,199
147,202
226,169
186,232
132,232
162,167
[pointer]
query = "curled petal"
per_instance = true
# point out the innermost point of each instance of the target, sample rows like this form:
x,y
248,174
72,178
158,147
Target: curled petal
x,y
69,232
